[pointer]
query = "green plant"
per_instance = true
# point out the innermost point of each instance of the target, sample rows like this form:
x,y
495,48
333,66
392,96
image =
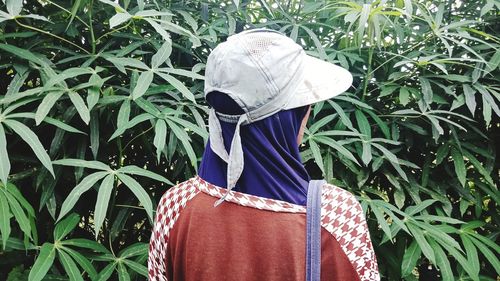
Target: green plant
x,y
101,102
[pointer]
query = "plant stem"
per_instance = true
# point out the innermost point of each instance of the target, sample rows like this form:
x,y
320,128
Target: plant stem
x,y
67,11
92,36
368,73
50,34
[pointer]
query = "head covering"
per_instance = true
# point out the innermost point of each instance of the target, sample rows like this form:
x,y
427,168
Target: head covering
x,y
264,72
273,167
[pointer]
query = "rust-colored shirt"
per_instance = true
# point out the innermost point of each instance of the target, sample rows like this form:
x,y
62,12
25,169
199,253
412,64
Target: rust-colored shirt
x,y
254,238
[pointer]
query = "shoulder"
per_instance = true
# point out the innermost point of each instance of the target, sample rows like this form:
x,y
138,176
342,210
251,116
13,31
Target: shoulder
x,y
339,206
174,200
178,194
343,217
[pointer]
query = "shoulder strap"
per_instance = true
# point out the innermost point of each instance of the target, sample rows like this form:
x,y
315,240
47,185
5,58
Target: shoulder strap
x,y
313,234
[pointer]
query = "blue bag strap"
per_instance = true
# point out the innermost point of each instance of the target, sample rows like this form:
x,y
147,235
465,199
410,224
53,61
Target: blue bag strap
x,y
313,232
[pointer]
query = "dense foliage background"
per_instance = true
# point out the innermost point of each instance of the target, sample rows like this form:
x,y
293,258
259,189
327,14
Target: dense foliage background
x,y
101,111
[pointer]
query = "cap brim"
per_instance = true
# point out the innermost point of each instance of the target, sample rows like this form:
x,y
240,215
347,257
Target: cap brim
x,y
322,81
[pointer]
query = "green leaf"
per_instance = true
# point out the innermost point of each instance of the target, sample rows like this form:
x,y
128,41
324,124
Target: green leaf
x,y
139,268
70,267
4,160
458,162
46,105
123,114
43,263
442,262
24,54
426,90
471,252
143,84
66,74
139,192
118,19
184,138
94,134
85,243
410,258
14,7
82,163
4,218
162,55
19,214
32,140
65,226
318,159
422,242
470,98
404,96
123,273
107,271
490,256
81,188
335,145
134,170
80,106
343,117
178,85
381,221
102,202
363,124
136,120
84,263
160,137
134,250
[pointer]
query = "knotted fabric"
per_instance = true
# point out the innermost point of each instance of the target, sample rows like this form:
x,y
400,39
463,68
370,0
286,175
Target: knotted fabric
x,y
260,158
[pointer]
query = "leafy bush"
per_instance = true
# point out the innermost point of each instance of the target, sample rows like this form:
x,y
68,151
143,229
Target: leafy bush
x,y
101,110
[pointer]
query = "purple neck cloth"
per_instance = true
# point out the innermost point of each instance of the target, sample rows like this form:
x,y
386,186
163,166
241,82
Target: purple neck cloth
x,y
273,167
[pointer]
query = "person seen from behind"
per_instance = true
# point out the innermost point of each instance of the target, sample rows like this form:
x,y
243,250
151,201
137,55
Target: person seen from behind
x,y
243,217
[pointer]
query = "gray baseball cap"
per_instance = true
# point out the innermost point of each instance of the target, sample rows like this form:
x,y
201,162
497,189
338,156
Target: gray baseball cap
x,y
264,72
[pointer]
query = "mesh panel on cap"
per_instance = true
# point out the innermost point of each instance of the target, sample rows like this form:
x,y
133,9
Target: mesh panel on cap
x,y
258,44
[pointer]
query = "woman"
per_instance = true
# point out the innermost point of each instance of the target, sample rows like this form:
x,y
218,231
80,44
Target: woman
x,y
243,216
